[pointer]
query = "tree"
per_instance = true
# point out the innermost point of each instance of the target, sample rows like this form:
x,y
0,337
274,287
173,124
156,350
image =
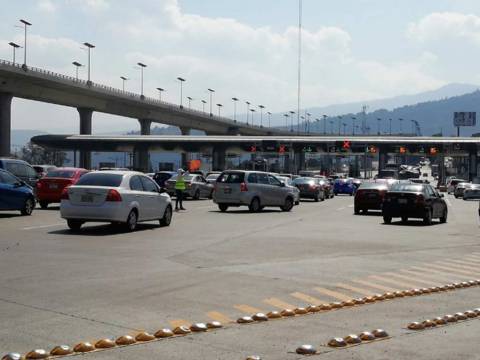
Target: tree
x,y
35,154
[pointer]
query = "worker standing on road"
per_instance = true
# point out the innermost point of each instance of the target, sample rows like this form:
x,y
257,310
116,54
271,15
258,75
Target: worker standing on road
x,y
179,189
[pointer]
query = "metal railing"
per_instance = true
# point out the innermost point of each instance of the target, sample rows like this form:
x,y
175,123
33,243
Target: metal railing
x,y
109,90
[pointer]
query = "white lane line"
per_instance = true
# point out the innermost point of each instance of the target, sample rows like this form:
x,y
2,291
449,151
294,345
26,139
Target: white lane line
x,y
42,226
350,206
448,202
342,208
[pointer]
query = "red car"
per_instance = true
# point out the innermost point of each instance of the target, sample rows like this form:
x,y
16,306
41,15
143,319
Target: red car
x,y
50,187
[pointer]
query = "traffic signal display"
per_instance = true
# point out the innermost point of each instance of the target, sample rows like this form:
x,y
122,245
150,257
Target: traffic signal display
x,y
433,151
403,150
372,149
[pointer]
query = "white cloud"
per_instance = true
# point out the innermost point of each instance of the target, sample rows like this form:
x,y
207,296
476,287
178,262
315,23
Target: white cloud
x,y
47,6
445,26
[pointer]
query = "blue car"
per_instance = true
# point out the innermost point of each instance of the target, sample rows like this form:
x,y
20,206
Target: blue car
x,y
344,186
15,194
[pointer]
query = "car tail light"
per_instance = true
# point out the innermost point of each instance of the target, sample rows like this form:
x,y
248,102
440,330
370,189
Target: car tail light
x,y
243,187
39,184
420,200
313,186
64,195
382,193
113,195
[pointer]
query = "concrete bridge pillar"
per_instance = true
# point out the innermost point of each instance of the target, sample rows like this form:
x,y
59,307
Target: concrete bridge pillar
x,y
145,126
141,161
218,158
5,123
85,129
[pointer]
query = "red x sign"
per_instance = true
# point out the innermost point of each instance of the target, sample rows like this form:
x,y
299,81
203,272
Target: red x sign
x,y
346,144
253,149
282,149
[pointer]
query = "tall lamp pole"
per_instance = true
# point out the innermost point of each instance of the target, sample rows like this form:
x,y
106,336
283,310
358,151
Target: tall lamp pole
x,y
324,124
219,108
286,121
160,91
379,126
189,102
269,118
211,101
390,130
14,47
248,109
261,114
77,65
203,105
89,47
234,108
291,124
339,125
401,125
25,25
252,111
353,125
124,78
142,66
181,80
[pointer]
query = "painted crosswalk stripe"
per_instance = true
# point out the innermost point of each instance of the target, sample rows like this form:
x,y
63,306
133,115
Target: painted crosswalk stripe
x,y
413,279
278,303
434,276
462,267
247,309
375,285
217,316
356,289
334,294
443,272
448,268
307,298
466,262
390,281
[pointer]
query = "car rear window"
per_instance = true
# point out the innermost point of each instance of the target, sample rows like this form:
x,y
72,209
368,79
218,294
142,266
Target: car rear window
x,y
231,178
66,174
185,177
407,187
99,179
303,180
378,186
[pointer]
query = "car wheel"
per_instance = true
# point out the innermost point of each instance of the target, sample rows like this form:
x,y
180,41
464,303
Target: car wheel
x,y
211,195
288,205
223,207
167,217
356,210
427,220
297,203
74,225
132,219
456,196
443,219
323,197
44,204
404,219
387,219
316,198
196,196
335,194
255,205
28,207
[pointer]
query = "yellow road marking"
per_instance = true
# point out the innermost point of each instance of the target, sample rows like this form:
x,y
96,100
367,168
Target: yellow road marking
x,y
434,276
217,316
413,279
461,276
307,298
392,281
179,322
334,294
473,258
460,266
279,303
452,269
247,309
466,262
356,289
375,286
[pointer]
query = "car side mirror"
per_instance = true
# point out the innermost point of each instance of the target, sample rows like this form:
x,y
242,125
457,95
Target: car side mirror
x,y
282,184
162,190
19,184
442,195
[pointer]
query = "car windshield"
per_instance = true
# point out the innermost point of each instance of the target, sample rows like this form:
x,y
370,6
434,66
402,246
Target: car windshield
x,y
231,178
407,188
66,174
212,176
99,179
303,180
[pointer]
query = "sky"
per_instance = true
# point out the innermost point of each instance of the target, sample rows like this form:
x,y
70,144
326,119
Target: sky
x,y
353,50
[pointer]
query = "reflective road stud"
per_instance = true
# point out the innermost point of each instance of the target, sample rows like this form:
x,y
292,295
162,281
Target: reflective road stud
x,y
254,357
380,333
245,320
274,315
125,340
144,336
181,330
337,342
83,347
199,327
61,350
163,333
416,326
37,354
105,344
306,350
214,325
352,339
367,336
12,356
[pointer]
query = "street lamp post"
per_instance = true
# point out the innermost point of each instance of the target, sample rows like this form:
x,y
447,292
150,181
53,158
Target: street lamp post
x,y
291,124
124,78
142,66
189,102
286,121
339,125
234,108
390,120
401,125
261,114
252,111
344,128
269,118
379,126
203,105
14,47
25,24
324,124
331,126
353,125
89,47
219,108
211,101
248,109
77,65
181,80
413,127
160,91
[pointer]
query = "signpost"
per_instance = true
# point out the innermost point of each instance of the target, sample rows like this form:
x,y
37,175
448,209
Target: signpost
x,y
461,119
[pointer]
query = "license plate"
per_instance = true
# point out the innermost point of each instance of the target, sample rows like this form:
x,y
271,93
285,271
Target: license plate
x,y
227,191
53,186
87,198
402,201
372,196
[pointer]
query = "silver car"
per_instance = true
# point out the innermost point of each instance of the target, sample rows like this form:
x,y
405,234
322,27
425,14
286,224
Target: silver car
x,y
119,197
460,189
289,183
472,192
196,187
254,189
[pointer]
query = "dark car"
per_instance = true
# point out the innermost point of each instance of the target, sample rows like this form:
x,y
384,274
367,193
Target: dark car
x,y
21,169
15,194
196,187
419,201
162,177
42,170
344,186
369,196
327,185
310,188
50,187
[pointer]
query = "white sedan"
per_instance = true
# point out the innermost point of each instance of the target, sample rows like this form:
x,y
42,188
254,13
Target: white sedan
x,y
119,197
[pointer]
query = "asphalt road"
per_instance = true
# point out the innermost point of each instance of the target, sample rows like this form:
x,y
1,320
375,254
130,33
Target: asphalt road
x,y
63,288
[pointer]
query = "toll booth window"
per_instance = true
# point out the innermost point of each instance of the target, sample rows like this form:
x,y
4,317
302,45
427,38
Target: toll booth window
x,y
231,178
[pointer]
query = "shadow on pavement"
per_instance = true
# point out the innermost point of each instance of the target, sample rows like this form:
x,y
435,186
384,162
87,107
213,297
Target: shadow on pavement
x,y
103,230
9,215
